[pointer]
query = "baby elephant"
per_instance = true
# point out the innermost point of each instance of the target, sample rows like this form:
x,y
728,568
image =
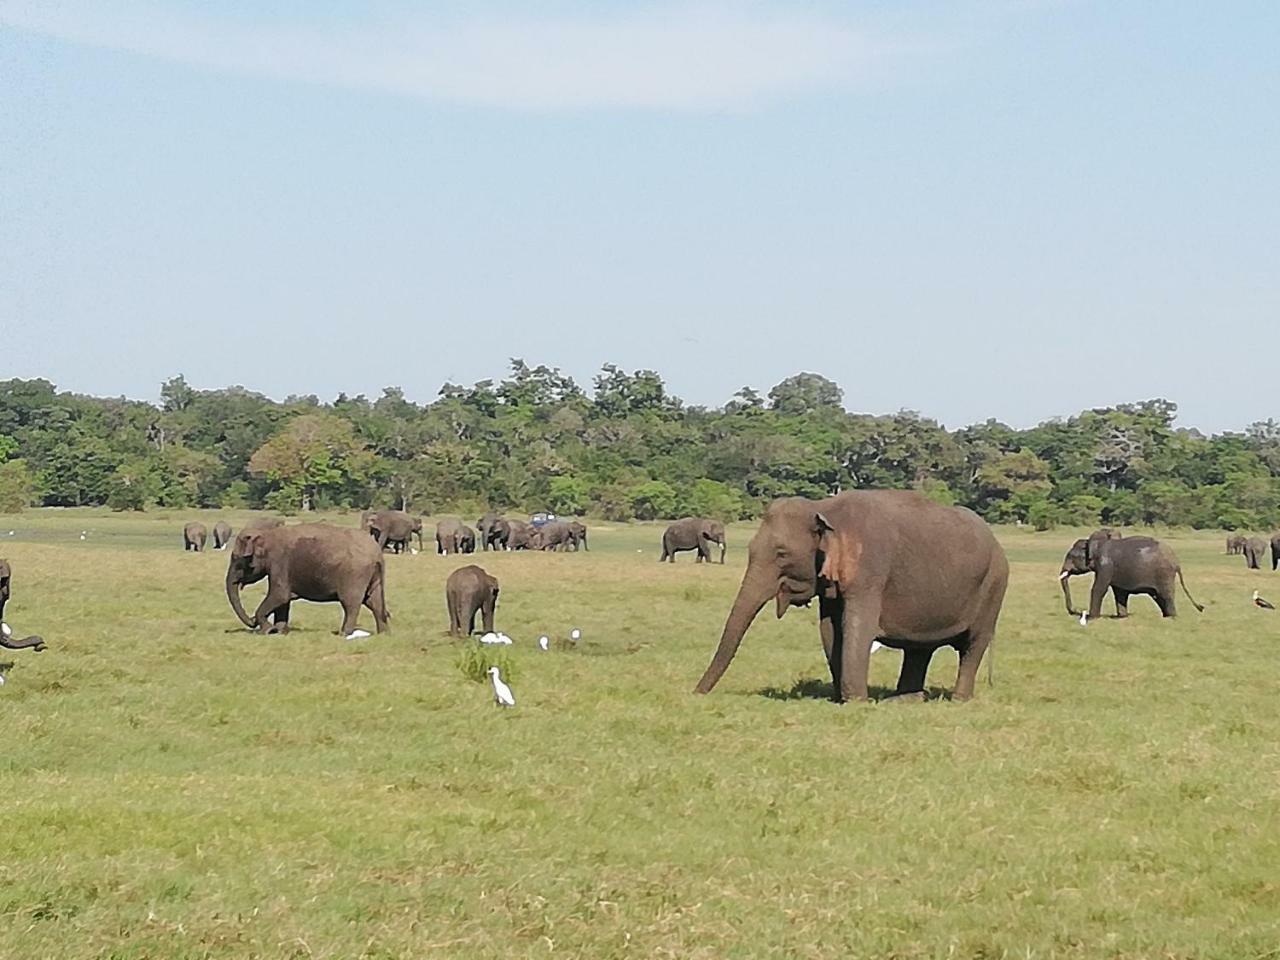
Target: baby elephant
x,y
468,591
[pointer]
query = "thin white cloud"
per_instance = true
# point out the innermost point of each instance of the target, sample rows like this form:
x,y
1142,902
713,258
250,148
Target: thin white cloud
x,y
678,56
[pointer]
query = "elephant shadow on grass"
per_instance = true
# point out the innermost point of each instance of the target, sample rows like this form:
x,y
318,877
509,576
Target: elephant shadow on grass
x,y
813,688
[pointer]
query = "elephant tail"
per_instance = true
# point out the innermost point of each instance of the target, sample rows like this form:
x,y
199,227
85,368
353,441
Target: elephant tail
x,y
991,665
1188,592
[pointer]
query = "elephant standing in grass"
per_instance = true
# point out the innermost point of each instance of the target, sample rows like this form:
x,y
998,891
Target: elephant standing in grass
x,y
449,536
554,535
467,540
308,561
1275,551
468,591
221,535
1255,552
29,643
693,533
194,536
493,531
395,527
579,532
1077,560
1235,544
886,565
1136,565
520,535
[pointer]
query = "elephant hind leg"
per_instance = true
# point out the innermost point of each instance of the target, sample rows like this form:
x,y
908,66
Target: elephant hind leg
x,y
915,667
1122,602
375,599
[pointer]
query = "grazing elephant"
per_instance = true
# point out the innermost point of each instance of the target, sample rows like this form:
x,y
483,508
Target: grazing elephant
x,y
468,591
194,535
493,531
449,536
520,535
308,561
467,540
1255,551
395,527
221,535
693,533
579,532
887,565
554,535
1235,544
29,643
1135,565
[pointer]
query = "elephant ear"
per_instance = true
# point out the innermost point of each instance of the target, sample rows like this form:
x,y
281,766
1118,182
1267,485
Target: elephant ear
x,y
841,553
249,544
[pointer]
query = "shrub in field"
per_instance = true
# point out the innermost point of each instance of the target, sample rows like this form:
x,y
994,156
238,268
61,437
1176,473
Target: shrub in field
x,y
475,659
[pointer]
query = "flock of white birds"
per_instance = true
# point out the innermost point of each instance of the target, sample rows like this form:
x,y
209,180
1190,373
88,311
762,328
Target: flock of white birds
x,y
502,694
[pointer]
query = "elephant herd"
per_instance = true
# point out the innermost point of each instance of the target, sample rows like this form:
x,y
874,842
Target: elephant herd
x,y
1254,550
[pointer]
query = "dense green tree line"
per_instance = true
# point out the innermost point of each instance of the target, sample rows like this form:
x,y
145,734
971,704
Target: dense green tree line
x,y
628,449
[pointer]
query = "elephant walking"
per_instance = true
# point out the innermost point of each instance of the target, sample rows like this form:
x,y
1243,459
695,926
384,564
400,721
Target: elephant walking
x,y
1235,544
886,565
520,535
693,533
555,535
493,531
1255,551
468,591
309,561
466,540
194,536
221,535
394,528
1137,565
28,643
578,531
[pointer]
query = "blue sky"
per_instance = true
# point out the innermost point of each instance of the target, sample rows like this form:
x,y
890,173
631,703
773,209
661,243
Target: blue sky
x,y
980,208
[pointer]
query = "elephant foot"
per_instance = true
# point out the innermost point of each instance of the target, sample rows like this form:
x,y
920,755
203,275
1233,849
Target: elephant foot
x,y
276,630
913,696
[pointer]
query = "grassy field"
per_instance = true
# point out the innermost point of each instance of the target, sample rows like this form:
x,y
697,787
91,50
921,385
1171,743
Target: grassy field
x,y
175,787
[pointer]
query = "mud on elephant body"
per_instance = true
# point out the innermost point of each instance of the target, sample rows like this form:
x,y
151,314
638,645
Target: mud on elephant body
x,y
693,533
309,561
885,565
468,591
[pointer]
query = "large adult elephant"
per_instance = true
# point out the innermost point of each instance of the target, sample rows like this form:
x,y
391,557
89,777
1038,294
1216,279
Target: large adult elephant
x,y
308,561
1235,544
28,643
887,565
395,527
1135,565
493,531
1275,551
449,536
1255,551
194,536
693,533
221,535
467,540
468,591
520,535
555,535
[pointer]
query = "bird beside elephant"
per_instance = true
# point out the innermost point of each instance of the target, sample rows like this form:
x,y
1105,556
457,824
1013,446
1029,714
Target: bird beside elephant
x,y
194,536
394,528
221,535
1255,552
27,643
885,565
1134,565
309,561
693,533
470,591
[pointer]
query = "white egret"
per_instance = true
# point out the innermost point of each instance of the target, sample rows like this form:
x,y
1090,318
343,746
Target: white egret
x,y
575,634
544,643
502,694
1084,618
358,634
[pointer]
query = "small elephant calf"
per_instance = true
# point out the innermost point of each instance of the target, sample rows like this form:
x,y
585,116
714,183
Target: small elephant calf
x,y
468,591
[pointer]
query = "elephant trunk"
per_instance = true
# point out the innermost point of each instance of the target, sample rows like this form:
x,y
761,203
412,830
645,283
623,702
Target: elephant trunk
x,y
754,593
1064,577
25,644
233,594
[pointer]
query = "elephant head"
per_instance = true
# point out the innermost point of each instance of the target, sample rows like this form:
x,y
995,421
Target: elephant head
x,y
248,564
783,560
1081,558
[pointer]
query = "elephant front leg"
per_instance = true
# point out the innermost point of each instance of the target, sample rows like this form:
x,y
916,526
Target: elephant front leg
x,y
1101,584
271,604
860,627
830,627
280,620
915,667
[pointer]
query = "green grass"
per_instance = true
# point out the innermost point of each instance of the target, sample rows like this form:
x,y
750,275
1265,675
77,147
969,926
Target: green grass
x,y
175,787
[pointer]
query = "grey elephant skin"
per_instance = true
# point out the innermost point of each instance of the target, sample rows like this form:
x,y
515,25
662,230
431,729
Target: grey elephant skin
x,y
1255,552
309,561
1235,545
28,643
221,535
555,535
579,531
394,528
194,536
451,536
1077,561
468,591
1134,565
887,565
693,533
493,531
1275,551
520,535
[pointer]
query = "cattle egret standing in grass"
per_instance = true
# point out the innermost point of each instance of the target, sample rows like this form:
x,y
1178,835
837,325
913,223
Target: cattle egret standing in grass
x,y
1258,601
84,535
876,645
502,694
495,638
358,634
544,643
1084,618
575,634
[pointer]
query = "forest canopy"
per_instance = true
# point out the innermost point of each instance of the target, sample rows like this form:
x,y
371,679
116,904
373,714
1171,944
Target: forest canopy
x,y
626,449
